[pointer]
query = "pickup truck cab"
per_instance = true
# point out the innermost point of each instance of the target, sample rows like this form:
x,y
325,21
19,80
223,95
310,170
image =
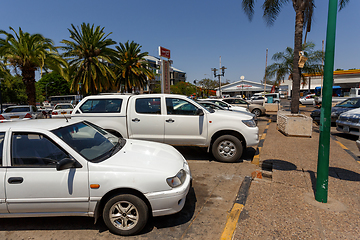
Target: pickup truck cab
x,y
171,119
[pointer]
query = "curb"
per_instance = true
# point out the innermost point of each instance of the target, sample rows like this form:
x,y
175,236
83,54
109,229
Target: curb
x,y
237,208
256,159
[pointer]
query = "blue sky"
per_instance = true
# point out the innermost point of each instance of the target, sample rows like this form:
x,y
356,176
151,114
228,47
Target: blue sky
x,y
197,32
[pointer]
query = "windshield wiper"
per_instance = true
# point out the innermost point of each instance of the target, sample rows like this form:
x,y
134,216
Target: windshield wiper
x,y
119,145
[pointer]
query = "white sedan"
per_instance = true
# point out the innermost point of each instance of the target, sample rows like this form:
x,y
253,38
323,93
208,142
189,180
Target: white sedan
x,y
62,109
308,99
226,105
75,168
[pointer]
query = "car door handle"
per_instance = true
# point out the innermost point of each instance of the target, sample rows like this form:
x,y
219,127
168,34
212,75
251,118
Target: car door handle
x,y
15,180
135,120
170,120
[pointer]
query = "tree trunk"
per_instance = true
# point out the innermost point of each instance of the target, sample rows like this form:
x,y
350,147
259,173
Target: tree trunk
x,y
28,77
299,23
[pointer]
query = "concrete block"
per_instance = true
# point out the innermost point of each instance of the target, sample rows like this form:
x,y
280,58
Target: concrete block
x,y
294,124
271,107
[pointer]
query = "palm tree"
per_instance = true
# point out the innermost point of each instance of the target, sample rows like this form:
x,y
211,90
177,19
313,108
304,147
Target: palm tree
x,y
304,13
131,68
283,65
29,52
89,55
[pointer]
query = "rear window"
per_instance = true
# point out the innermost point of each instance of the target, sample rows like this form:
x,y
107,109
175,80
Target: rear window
x,y
17,109
101,106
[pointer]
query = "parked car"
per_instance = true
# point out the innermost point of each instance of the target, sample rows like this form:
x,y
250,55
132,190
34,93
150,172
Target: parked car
x,y
225,105
308,99
257,100
62,109
275,97
253,108
172,119
21,112
349,122
75,168
212,106
339,108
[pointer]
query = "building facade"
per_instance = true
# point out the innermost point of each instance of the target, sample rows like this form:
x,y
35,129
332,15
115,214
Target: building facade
x,y
243,88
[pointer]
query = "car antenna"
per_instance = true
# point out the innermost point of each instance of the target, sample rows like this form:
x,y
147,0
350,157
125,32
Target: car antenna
x,y
66,118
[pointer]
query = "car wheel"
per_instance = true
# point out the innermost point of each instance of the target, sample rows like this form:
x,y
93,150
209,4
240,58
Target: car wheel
x,y
256,112
125,214
227,148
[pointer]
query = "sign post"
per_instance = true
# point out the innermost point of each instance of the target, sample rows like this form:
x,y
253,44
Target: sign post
x,y
165,69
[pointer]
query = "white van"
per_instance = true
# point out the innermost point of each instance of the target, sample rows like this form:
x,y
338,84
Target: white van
x,y
275,97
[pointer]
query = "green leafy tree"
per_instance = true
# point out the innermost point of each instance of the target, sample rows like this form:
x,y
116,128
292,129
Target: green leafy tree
x,y
52,84
13,90
29,52
208,84
89,56
304,13
283,65
183,88
131,69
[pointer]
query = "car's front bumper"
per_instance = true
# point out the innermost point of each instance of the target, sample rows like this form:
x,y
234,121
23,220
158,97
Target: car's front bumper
x,y
171,201
348,127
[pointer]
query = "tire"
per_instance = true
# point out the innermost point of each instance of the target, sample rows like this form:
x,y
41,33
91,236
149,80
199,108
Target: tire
x,y
256,112
125,214
227,148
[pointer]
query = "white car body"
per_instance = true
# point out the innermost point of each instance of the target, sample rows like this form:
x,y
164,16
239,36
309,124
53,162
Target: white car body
x,y
308,99
349,122
42,190
226,105
20,113
121,115
62,109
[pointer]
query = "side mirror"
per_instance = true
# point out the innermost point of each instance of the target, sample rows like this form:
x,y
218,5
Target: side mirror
x,y
66,163
199,112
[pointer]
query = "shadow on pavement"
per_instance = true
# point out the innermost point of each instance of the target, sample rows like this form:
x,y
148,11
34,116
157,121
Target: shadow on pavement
x,y
280,164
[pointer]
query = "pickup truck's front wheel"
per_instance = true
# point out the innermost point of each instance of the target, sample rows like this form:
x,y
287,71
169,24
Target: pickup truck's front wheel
x,y
227,148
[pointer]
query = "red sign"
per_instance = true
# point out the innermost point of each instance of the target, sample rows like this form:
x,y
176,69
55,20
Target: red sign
x,y
163,52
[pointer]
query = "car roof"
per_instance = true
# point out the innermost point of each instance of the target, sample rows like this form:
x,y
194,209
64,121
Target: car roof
x,y
39,124
17,106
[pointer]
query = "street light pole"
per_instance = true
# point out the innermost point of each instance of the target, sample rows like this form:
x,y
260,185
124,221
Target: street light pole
x,y
46,89
219,75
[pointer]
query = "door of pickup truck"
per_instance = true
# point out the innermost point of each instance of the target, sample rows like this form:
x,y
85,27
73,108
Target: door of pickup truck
x,y
185,123
145,120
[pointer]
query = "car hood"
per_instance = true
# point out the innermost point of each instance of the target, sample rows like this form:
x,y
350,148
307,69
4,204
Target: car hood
x,y
237,114
146,156
352,113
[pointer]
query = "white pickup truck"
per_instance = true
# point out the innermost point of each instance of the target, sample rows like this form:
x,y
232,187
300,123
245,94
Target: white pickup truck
x,y
172,119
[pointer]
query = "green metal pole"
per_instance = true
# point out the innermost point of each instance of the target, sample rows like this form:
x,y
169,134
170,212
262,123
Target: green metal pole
x,y
325,117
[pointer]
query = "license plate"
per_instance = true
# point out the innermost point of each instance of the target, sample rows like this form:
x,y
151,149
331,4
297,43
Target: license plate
x,y
346,129
63,112
14,117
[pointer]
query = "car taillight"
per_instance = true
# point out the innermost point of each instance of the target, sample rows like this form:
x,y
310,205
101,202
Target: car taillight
x,y
2,117
28,115
54,113
70,112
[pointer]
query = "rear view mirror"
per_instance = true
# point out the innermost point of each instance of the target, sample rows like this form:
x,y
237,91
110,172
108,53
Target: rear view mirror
x,y
66,163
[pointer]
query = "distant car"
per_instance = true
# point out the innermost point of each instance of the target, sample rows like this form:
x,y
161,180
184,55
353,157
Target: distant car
x,y
62,109
212,106
22,112
225,104
339,108
349,122
257,100
253,108
308,99
75,168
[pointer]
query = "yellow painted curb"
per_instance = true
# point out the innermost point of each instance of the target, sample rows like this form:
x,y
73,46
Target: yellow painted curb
x,y
231,221
341,145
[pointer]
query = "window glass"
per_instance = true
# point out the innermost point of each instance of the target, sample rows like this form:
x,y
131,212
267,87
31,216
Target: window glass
x,y
101,106
17,109
2,136
176,106
31,149
148,105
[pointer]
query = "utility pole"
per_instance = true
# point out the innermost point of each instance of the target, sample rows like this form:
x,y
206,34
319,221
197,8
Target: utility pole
x,y
265,74
325,115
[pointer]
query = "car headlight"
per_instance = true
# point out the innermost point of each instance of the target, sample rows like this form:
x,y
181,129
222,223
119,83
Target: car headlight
x,y
249,123
177,180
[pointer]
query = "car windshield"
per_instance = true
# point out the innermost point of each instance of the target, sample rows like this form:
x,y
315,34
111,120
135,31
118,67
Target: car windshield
x,y
92,142
350,103
17,109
